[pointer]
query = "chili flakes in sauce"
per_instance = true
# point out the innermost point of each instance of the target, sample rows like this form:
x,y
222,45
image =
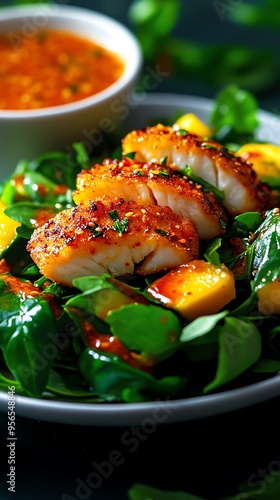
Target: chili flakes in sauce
x,y
53,68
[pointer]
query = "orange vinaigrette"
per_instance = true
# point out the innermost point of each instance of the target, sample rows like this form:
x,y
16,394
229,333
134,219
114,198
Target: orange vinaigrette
x,y
53,68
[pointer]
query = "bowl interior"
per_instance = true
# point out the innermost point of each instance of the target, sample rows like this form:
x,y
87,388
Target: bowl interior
x,y
26,134
26,21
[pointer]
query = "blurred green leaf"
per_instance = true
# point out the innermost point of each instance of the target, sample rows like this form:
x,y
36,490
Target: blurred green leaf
x,y
236,108
265,16
153,21
254,69
159,15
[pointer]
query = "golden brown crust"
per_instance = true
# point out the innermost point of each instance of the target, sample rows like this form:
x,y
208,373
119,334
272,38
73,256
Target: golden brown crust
x,y
127,177
238,168
90,229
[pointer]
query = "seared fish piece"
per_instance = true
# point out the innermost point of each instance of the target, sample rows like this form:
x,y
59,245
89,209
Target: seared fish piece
x,y
154,184
209,160
114,236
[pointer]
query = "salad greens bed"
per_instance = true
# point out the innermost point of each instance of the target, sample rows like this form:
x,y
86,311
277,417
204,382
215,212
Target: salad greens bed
x,y
43,338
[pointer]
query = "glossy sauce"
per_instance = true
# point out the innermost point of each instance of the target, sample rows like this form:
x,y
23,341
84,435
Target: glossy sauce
x,y
110,344
53,68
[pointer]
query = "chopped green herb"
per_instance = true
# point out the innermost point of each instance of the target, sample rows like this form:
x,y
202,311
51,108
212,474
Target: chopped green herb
x,y
139,172
74,88
161,232
164,160
206,145
226,152
163,173
182,131
223,223
96,230
114,215
119,225
131,155
96,53
220,195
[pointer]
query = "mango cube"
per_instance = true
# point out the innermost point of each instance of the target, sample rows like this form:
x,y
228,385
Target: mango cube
x,y
265,159
7,228
195,289
269,298
194,125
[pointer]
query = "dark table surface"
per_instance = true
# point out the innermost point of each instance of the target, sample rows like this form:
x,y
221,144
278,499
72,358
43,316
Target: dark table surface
x,y
207,457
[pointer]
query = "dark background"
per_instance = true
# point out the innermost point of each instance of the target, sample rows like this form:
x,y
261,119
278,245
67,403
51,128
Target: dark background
x,y
207,457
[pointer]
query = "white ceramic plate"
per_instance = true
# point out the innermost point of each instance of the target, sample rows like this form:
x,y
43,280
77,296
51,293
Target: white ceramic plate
x,y
135,114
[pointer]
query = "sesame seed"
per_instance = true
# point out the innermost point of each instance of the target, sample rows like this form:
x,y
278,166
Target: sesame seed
x,y
128,214
182,240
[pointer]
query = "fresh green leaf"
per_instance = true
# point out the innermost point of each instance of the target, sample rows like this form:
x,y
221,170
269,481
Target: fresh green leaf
x,y
82,156
24,232
244,224
68,383
27,213
265,251
116,380
264,365
147,329
240,347
11,254
28,356
201,326
91,284
211,254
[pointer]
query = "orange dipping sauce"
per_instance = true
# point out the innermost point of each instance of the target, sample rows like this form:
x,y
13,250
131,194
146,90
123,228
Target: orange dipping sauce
x,y
53,68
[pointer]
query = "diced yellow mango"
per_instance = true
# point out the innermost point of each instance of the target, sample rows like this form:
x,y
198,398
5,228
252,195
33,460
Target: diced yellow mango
x,y
194,125
195,289
7,228
269,298
265,159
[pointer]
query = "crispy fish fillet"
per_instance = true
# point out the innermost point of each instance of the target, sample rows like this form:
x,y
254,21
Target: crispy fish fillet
x,y
149,183
114,236
208,160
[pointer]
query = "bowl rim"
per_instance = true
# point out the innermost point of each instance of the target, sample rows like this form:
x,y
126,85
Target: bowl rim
x,y
80,15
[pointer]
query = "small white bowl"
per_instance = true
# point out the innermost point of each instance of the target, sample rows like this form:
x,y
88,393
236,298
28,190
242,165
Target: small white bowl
x,y
27,134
